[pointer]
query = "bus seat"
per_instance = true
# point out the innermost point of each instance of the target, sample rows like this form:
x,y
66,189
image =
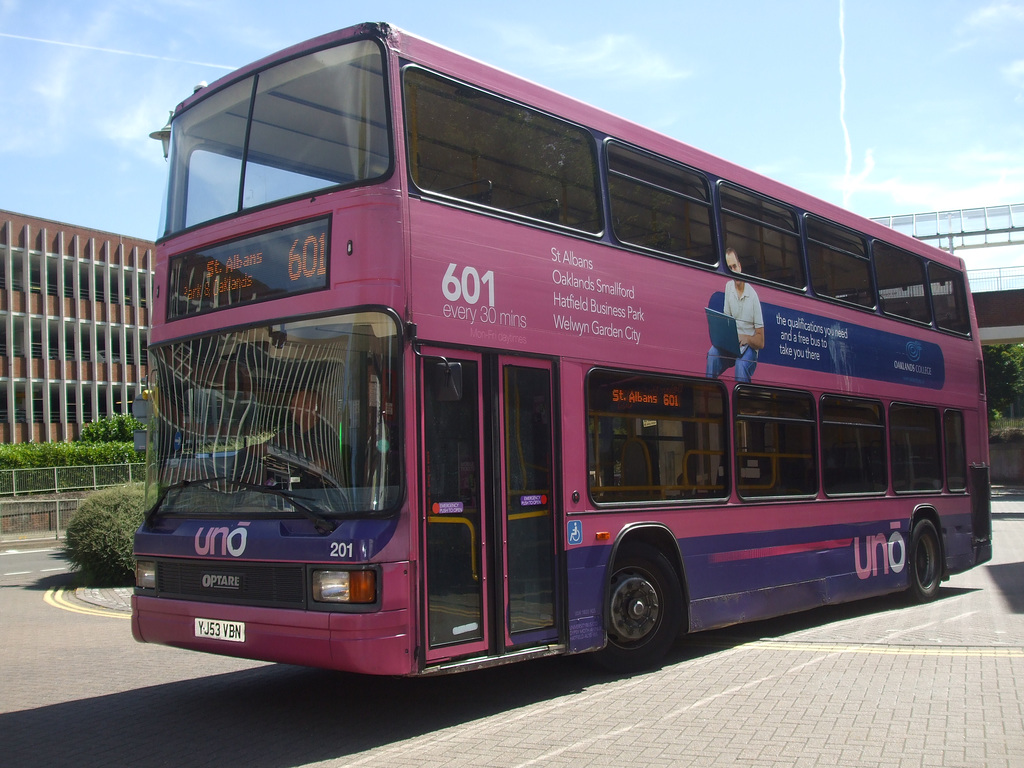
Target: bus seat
x,y
636,463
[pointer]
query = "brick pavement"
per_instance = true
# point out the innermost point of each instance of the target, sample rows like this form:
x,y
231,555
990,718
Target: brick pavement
x,y
113,599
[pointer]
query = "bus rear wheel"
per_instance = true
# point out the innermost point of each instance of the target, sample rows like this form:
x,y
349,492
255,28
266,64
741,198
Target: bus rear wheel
x,y
645,603
925,562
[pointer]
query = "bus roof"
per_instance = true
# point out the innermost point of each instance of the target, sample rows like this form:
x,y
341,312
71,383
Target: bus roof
x,y
418,50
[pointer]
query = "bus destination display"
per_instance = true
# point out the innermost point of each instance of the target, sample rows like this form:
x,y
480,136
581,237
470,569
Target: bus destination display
x,y
267,265
636,396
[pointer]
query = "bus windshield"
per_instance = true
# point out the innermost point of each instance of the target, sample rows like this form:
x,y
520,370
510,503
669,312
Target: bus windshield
x,y
295,418
306,124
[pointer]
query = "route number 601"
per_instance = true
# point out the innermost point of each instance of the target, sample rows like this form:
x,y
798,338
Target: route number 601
x,y
468,286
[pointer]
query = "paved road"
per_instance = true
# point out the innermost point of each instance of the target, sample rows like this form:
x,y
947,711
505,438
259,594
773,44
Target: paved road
x,y
18,566
876,683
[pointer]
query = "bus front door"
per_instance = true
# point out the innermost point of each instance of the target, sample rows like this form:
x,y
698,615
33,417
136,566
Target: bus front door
x,y
489,517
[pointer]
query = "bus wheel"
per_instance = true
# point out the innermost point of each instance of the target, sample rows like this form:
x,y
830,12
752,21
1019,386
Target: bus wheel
x,y
645,603
925,562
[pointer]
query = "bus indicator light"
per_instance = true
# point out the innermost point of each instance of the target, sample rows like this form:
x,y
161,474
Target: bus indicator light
x,y
345,586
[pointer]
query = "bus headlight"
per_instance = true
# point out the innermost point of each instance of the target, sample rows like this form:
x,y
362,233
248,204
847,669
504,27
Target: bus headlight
x,y
145,574
345,586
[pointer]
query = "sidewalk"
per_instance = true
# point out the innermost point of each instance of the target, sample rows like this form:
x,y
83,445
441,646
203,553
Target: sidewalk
x,y
111,598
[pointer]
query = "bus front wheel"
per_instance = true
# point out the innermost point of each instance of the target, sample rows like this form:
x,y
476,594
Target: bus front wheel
x,y
645,606
925,562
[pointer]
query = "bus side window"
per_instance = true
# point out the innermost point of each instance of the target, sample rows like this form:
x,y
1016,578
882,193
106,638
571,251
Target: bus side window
x,y
949,299
660,205
914,436
956,454
839,264
775,449
472,146
764,231
853,446
654,438
901,283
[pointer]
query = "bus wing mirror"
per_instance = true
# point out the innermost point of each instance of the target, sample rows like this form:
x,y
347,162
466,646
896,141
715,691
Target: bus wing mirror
x,y
447,381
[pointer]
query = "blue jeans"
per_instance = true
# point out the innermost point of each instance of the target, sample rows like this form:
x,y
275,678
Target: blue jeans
x,y
745,364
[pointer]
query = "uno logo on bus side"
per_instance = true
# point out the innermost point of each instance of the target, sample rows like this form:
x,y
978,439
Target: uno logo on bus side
x,y
889,553
232,542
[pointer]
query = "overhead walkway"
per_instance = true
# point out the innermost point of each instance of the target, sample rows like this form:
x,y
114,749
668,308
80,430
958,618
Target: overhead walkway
x,y
998,293
997,225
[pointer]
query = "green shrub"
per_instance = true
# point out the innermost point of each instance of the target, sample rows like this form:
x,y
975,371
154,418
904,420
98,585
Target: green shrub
x,y
112,429
33,455
99,536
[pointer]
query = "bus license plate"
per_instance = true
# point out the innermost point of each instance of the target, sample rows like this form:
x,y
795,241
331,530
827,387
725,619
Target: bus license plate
x,y
215,629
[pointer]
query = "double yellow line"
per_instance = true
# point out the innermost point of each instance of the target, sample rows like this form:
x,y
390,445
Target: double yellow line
x,y
58,597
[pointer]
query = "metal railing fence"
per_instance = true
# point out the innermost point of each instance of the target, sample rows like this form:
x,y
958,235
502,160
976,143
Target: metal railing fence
x,y
25,519
14,482
1003,425
996,279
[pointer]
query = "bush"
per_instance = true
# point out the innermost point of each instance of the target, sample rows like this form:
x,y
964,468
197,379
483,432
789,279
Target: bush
x,y
112,429
100,534
35,455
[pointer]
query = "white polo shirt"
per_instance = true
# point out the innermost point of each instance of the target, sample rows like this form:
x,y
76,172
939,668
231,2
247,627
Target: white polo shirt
x,y
746,309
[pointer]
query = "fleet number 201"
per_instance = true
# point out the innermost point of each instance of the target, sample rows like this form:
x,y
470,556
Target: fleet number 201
x,y
342,549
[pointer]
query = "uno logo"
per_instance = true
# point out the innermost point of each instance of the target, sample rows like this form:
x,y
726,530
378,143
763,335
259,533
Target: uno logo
x,y
878,551
232,542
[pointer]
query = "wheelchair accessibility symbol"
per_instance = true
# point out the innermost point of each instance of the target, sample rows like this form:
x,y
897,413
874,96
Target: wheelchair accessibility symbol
x,y
574,532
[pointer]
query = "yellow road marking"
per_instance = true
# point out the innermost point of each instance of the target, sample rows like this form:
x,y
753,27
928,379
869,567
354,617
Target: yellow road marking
x,y
57,597
889,650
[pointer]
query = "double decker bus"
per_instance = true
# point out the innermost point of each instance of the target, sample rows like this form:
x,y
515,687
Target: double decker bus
x,y
449,370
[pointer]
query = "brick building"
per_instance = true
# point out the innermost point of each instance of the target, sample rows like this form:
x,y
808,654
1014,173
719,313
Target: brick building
x,y
74,326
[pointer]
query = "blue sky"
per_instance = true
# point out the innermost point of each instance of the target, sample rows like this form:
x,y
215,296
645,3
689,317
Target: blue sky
x,y
907,106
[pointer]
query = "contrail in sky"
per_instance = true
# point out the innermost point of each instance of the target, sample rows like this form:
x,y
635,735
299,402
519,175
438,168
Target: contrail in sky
x,y
849,181
842,106
114,50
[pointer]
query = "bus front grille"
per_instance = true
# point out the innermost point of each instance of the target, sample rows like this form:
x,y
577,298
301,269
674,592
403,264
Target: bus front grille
x,y
265,584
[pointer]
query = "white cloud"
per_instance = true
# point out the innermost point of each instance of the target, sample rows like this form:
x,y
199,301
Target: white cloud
x,y
616,59
996,14
977,177
966,185
1014,73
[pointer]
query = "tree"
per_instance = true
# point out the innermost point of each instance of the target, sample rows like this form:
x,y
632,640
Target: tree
x,y
1004,376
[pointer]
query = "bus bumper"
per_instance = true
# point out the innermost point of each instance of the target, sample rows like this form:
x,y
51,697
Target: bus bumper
x,y
378,643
